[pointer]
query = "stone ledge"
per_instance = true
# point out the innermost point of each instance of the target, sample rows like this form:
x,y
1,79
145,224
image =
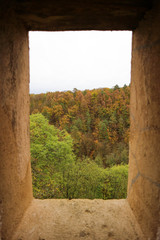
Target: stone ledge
x,y
79,219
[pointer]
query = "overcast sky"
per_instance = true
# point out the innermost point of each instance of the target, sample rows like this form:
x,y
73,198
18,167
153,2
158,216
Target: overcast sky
x,y
62,61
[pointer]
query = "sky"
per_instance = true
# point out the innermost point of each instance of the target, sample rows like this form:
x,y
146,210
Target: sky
x,y
61,61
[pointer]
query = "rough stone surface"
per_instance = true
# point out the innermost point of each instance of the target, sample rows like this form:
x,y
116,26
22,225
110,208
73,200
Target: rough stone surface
x,y
79,219
144,162
79,15
64,219
15,171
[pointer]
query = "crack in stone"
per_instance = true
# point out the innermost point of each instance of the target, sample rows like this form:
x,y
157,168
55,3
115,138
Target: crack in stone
x,y
157,184
133,181
139,174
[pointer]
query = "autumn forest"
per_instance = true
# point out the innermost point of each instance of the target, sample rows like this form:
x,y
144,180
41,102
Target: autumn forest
x,y
79,143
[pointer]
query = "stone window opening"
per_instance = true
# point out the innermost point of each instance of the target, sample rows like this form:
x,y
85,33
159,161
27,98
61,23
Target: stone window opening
x,y
23,217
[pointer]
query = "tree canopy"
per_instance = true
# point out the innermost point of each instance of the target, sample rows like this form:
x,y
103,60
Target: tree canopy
x,y
79,143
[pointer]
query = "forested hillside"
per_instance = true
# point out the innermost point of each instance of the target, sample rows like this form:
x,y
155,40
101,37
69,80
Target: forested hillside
x,y
77,138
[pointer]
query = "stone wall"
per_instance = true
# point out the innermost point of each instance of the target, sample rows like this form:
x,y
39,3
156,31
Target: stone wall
x,y
144,159
72,15
144,166
15,171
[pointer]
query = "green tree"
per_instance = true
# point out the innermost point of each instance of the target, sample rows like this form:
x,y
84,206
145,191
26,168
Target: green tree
x,y
115,184
87,180
51,157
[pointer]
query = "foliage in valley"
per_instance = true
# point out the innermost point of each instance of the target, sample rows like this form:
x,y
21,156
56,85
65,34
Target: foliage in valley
x,y
79,143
